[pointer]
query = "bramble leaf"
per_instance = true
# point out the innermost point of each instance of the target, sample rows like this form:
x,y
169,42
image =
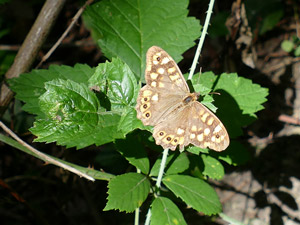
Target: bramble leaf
x,y
30,86
74,116
194,192
127,192
128,28
176,163
212,167
164,211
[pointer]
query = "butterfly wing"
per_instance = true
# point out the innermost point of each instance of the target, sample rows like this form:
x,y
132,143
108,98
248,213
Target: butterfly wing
x,y
193,124
164,90
162,71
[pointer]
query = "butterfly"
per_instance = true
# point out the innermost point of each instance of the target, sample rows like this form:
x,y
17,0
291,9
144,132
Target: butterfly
x,y
166,103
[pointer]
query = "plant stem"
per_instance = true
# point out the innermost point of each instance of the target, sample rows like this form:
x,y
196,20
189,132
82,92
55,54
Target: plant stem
x,y
162,168
158,181
230,220
147,222
165,153
201,41
136,216
137,210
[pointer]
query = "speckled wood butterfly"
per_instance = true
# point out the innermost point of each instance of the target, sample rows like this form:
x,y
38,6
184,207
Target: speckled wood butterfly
x,y
166,103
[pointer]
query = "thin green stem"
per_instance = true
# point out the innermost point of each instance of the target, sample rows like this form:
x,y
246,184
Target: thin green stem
x,y
137,210
201,41
162,168
136,216
147,222
158,181
230,220
165,153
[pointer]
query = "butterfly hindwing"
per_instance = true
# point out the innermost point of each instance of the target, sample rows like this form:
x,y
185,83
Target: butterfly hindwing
x,y
196,125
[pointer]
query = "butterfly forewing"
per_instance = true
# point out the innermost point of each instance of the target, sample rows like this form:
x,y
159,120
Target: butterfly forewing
x,y
163,73
166,103
164,90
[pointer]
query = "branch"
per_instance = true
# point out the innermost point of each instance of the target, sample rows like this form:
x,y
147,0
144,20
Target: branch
x,y
30,47
43,156
74,20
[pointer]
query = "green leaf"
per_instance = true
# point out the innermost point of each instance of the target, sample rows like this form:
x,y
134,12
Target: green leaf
x,y
6,60
263,13
212,167
297,51
117,81
271,20
74,116
196,150
238,101
127,192
129,121
165,212
30,86
128,28
133,150
176,163
194,192
287,45
218,27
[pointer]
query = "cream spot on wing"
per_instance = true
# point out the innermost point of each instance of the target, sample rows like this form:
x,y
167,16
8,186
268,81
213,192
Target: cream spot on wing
x,y
192,136
153,84
206,144
213,138
206,131
217,129
158,54
155,62
161,70
149,67
155,98
174,77
222,137
181,140
180,131
161,85
179,82
153,76
171,70
201,112
194,128
200,137
165,60
210,121
204,117
147,93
